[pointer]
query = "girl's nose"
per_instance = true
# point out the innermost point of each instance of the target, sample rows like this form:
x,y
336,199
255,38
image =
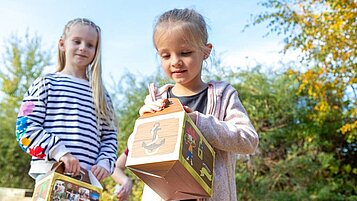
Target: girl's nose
x,y
176,61
82,47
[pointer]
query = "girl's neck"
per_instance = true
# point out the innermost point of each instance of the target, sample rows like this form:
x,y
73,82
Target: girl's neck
x,y
75,73
182,90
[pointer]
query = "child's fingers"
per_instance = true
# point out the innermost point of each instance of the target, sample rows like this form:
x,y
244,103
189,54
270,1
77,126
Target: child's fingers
x,y
99,172
152,107
145,109
187,109
190,113
96,171
157,105
123,194
71,164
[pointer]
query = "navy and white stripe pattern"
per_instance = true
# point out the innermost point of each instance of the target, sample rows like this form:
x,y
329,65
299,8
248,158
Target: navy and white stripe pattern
x,y
64,120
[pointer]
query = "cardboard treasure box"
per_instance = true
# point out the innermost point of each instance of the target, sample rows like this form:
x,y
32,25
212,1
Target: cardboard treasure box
x,y
169,154
57,186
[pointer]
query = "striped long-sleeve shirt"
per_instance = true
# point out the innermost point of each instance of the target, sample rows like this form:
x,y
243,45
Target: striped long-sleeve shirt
x,y
57,116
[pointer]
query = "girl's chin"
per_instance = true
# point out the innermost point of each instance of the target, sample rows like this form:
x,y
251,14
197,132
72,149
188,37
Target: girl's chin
x,y
177,78
80,66
180,82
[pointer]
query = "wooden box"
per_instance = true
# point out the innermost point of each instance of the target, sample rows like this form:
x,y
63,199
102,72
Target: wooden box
x,y
58,187
169,154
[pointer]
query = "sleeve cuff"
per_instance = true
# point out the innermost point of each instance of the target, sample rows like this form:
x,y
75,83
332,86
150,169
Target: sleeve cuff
x,y
105,164
58,151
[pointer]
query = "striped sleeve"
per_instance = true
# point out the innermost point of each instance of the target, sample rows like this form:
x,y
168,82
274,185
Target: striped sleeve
x,y
109,144
30,134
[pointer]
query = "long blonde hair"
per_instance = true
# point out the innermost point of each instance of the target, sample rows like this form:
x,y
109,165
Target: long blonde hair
x,y
103,109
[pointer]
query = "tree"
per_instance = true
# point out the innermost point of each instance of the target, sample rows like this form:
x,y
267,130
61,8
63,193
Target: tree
x,y
23,61
325,32
320,134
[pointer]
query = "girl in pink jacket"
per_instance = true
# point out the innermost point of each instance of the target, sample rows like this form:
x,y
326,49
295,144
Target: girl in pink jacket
x,y
181,40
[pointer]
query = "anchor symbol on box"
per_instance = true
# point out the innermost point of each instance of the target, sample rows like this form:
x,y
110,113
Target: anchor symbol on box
x,y
153,146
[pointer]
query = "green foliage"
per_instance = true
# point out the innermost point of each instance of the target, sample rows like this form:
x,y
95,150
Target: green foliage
x,y
312,156
297,159
128,96
23,62
324,32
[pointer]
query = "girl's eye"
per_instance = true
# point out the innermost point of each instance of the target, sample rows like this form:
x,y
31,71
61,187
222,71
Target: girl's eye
x,y
165,56
186,53
77,42
90,46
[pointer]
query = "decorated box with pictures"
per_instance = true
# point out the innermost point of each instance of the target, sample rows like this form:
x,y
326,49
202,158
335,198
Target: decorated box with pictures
x,y
59,187
169,153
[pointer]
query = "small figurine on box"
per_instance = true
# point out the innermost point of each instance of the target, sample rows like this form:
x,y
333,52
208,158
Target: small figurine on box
x,y
181,40
68,115
190,139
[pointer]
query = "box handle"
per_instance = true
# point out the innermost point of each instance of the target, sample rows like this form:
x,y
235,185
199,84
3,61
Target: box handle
x,y
59,167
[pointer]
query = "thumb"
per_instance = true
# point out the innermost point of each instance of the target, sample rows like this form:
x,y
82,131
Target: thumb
x,y
187,109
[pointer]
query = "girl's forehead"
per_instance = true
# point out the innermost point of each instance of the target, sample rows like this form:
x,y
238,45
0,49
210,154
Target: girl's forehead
x,y
171,34
174,39
82,29
180,33
79,27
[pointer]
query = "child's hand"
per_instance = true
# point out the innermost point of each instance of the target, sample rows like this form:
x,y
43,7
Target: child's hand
x,y
71,164
153,107
99,172
190,113
125,190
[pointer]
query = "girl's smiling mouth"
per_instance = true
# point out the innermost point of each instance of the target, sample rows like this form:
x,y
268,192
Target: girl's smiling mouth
x,y
179,71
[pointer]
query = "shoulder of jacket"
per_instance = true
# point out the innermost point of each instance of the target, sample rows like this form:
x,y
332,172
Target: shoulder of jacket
x,y
165,88
220,86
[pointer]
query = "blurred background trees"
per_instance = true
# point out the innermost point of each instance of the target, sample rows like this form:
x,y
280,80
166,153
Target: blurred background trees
x,y
23,61
305,112
313,157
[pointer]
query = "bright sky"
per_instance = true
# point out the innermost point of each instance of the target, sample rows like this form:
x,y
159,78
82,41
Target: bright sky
x,y
127,29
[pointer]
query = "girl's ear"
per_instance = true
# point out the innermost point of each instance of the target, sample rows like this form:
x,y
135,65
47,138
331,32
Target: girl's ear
x,y
61,44
209,47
